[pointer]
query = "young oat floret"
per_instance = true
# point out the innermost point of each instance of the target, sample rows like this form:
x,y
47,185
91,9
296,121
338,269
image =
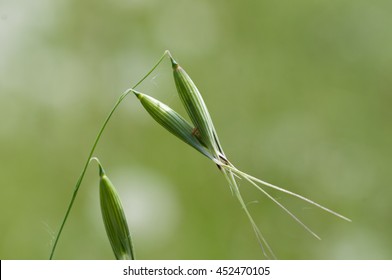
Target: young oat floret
x,y
172,121
114,219
205,135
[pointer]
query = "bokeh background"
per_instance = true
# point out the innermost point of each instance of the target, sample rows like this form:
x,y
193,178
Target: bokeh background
x,y
300,93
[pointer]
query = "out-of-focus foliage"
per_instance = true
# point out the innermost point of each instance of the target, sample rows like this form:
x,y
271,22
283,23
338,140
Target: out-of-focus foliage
x,y
300,93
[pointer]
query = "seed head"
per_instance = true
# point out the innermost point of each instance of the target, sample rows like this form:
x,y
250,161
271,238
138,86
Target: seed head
x,y
172,121
114,219
197,110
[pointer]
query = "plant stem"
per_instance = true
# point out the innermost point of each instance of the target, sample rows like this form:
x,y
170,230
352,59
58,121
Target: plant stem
x,y
98,137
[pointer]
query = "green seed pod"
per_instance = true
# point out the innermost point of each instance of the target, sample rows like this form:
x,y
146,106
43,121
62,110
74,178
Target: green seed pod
x,y
172,121
114,219
196,109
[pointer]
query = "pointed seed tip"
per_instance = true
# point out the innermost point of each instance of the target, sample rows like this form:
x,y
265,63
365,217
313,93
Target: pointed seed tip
x,y
174,63
139,95
101,171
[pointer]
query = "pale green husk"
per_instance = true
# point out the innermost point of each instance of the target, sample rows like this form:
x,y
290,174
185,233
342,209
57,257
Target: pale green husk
x,y
196,108
172,121
114,219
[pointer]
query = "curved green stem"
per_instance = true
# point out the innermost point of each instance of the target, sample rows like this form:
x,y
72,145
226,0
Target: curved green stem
x,y
80,179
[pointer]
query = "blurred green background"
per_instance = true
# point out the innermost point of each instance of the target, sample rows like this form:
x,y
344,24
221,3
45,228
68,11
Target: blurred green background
x,y
300,93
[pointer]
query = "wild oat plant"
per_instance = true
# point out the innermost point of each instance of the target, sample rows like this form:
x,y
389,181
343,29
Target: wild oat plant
x,y
200,134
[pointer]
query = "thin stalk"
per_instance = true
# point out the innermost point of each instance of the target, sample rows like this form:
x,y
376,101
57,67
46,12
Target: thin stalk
x,y
98,137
